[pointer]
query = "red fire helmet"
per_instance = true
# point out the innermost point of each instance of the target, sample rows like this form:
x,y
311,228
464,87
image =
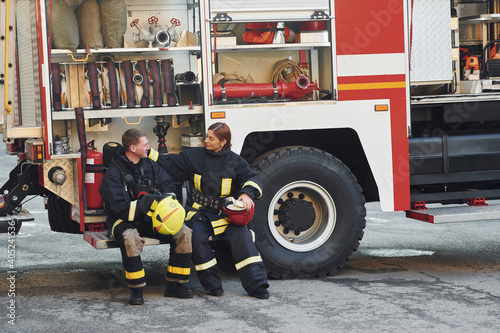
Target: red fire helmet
x,y
238,215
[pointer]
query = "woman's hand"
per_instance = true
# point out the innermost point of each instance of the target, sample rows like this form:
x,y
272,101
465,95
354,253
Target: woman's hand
x,y
247,201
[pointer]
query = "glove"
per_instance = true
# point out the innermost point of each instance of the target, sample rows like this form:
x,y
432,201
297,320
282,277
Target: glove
x,y
227,201
139,191
148,203
141,188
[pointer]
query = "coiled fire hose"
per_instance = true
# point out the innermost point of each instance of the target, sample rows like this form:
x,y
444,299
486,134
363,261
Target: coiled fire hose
x,y
286,70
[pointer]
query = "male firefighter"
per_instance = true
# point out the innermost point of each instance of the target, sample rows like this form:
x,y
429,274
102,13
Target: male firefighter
x,y
138,197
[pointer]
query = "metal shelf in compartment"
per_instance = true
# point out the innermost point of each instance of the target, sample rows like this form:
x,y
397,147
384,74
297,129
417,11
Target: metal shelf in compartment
x,y
129,113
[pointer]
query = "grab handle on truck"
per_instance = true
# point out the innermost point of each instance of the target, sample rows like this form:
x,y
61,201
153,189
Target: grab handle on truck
x,y
128,123
80,60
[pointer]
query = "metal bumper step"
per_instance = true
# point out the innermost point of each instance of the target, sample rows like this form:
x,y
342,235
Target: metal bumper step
x,y
23,216
6,222
463,213
100,240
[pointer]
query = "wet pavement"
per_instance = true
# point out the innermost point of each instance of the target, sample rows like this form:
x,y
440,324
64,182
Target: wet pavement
x,y
406,276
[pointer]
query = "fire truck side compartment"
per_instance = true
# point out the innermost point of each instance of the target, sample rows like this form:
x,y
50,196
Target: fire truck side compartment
x,y
455,152
455,166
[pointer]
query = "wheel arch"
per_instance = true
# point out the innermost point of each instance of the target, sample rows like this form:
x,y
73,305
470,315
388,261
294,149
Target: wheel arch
x,y
349,150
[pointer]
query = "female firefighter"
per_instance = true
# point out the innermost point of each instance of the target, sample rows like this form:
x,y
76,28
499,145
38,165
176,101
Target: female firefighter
x,y
214,173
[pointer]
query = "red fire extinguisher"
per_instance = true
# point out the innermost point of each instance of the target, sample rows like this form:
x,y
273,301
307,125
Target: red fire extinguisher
x,y
93,177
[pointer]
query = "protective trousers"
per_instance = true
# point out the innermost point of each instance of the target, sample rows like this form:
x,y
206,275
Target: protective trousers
x,y
246,257
128,236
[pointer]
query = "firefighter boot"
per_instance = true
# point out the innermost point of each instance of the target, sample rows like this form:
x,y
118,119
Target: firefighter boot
x,y
260,292
178,290
217,291
136,296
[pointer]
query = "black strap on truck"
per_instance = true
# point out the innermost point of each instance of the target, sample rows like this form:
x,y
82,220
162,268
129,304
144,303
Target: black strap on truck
x,y
56,87
128,73
143,70
154,67
94,85
93,168
169,81
82,138
113,85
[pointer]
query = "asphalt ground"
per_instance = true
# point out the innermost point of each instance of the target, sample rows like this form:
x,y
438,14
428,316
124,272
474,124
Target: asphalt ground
x,y
406,276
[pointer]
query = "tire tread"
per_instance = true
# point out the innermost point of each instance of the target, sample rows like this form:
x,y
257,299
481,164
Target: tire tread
x,y
59,215
266,162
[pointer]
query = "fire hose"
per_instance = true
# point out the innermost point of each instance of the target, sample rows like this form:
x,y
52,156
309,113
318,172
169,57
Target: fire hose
x,y
186,77
280,89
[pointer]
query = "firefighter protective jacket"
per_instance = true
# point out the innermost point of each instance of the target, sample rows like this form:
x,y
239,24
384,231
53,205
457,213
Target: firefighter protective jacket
x,y
221,174
218,175
119,197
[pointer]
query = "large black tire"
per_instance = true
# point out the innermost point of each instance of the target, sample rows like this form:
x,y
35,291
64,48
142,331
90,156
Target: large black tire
x,y
60,215
311,216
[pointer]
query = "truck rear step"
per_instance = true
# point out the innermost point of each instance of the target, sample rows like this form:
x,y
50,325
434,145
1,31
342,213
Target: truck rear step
x,y
100,240
15,220
456,214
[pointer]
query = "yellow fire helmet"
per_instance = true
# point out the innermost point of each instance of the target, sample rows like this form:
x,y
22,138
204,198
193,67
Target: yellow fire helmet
x,y
168,216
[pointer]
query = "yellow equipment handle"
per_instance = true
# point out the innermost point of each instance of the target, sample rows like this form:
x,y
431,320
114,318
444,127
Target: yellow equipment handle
x,y
8,107
81,60
126,122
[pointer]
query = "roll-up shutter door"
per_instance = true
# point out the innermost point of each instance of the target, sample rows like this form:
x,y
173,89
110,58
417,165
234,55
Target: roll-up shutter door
x,y
272,10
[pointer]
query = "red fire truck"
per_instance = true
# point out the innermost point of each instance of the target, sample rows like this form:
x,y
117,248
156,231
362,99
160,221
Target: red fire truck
x,y
336,103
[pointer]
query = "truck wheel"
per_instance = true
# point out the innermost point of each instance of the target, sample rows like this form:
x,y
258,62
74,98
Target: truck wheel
x,y
311,216
60,215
